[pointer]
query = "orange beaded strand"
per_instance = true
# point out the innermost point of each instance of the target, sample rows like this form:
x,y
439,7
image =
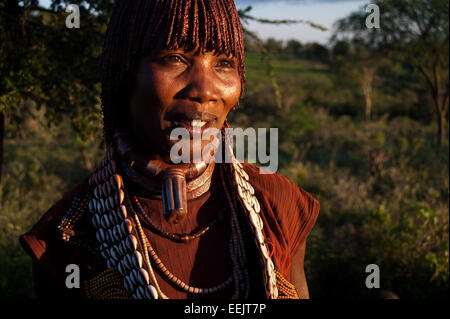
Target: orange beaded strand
x,y
286,290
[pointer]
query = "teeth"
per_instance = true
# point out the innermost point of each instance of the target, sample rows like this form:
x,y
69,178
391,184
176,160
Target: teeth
x,y
194,123
197,123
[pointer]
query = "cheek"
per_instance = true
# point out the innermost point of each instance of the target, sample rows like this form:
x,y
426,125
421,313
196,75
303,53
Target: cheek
x,y
232,92
158,83
152,95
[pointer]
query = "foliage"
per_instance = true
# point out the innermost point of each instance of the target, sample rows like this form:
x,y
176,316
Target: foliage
x,y
271,45
54,66
41,166
383,198
415,30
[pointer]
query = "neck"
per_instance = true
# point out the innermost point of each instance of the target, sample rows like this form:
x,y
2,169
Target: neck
x,y
154,167
174,183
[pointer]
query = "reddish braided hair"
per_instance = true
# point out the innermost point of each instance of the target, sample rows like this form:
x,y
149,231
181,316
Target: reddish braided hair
x,y
139,27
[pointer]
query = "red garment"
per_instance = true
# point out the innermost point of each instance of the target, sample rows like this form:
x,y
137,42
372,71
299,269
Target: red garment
x,y
288,213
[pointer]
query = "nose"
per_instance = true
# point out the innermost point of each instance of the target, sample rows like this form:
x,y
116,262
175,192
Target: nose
x,y
201,86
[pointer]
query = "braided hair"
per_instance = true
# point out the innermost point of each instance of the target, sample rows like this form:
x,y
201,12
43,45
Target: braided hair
x,y
138,28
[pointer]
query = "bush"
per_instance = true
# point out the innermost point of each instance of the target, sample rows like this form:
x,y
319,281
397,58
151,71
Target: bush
x,y
394,215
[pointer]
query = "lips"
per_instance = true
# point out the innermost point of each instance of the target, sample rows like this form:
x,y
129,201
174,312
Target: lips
x,y
191,115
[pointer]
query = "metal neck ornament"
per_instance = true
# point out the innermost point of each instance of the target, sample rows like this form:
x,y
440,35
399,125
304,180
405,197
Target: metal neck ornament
x,y
172,178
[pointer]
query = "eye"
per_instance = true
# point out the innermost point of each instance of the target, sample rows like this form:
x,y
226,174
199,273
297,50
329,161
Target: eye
x,y
226,63
173,59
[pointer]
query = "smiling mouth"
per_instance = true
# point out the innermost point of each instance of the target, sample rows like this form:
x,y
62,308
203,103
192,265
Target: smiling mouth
x,y
192,120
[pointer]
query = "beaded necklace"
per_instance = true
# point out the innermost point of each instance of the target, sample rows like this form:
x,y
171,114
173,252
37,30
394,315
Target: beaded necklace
x,y
123,244
239,275
237,249
175,236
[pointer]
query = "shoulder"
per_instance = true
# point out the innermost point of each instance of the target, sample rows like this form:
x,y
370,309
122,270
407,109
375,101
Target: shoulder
x,y
290,212
279,191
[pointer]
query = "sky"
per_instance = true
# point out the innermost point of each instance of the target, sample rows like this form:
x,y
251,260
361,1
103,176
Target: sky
x,y
323,12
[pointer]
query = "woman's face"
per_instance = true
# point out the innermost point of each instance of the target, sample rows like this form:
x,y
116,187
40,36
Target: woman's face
x,y
174,88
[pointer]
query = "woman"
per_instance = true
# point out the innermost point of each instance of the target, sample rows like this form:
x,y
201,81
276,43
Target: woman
x,y
141,226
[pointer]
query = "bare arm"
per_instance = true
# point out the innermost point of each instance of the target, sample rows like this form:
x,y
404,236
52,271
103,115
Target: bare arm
x,y
298,278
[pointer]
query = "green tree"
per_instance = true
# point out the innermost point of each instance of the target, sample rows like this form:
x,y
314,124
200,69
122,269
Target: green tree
x,y
58,68
341,48
294,48
418,31
315,51
20,52
358,61
273,46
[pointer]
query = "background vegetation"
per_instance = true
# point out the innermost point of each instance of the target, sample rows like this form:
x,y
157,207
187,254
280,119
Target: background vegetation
x,y
381,178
